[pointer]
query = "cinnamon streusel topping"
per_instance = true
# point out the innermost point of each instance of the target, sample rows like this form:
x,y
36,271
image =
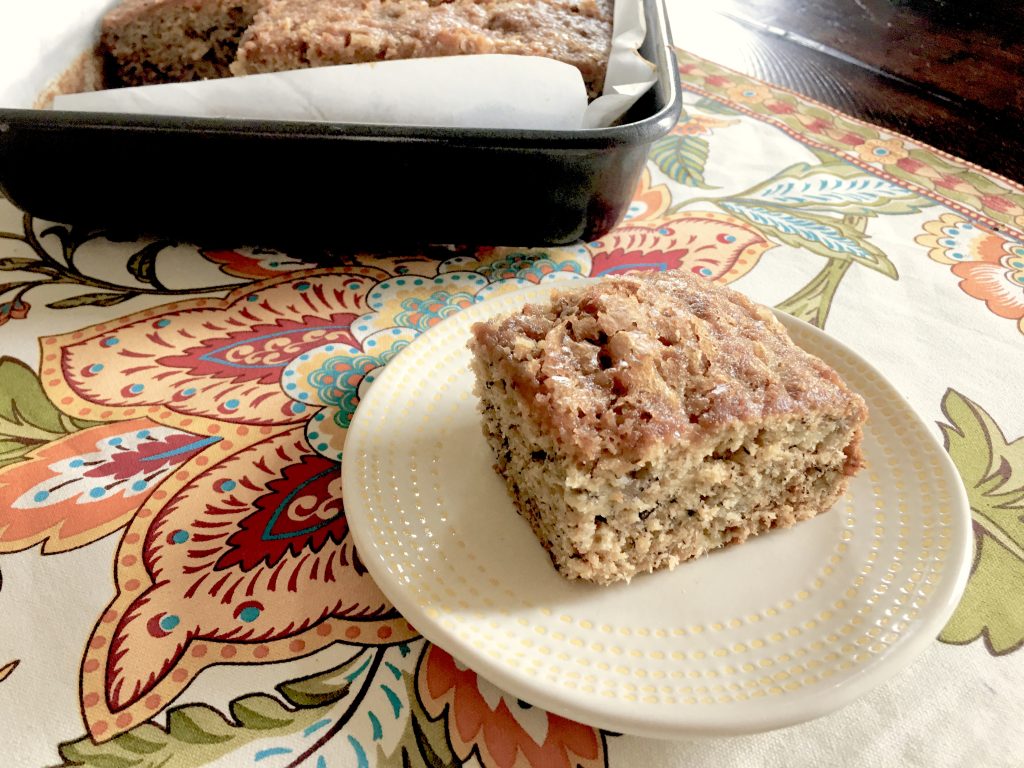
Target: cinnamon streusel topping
x,y
628,363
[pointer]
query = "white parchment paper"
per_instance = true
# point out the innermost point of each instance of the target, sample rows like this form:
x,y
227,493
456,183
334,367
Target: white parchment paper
x,y
629,74
485,91
493,91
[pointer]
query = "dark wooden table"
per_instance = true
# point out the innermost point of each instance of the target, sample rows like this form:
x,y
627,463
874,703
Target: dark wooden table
x,y
946,72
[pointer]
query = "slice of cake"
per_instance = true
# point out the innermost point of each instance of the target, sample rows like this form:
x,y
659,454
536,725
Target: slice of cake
x,y
645,420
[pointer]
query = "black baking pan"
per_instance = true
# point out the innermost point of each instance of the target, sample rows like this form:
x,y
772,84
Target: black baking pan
x,y
328,184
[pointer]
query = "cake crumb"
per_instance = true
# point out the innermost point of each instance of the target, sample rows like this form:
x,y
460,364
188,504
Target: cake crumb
x,y
646,419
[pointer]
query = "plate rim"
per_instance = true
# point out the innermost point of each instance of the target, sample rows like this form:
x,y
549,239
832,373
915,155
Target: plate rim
x,y
785,713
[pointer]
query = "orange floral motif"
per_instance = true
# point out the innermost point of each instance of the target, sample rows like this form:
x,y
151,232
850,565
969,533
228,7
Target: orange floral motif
x,y
16,309
990,265
886,151
82,487
749,93
700,125
649,202
253,264
502,731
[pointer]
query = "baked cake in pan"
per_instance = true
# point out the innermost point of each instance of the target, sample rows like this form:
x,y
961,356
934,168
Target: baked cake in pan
x,y
644,420
155,41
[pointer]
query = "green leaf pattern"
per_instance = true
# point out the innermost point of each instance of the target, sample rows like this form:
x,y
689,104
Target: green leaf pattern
x,y
822,208
27,417
142,264
824,236
992,470
99,299
682,158
424,742
354,714
838,187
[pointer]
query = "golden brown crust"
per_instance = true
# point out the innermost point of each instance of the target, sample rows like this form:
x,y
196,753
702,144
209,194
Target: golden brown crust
x,y
84,74
633,362
290,34
151,41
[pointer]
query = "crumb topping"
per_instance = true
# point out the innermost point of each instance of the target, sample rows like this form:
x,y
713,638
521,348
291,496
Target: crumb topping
x,y
632,361
314,32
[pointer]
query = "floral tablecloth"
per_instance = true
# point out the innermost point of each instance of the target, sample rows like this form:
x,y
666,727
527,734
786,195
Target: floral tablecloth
x,y
179,587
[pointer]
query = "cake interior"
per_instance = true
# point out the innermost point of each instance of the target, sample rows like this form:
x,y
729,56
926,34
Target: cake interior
x,y
609,520
174,42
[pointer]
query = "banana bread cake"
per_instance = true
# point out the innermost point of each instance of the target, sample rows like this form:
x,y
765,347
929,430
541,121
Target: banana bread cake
x,y
644,420
145,42
150,41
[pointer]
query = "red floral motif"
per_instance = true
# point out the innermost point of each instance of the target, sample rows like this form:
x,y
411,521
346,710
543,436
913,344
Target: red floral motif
x,y
910,165
82,487
713,245
194,583
315,516
815,125
1003,204
256,353
501,731
16,309
953,183
216,365
256,266
240,553
847,138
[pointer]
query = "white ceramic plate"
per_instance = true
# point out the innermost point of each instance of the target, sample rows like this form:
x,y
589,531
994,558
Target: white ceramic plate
x,y
787,627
